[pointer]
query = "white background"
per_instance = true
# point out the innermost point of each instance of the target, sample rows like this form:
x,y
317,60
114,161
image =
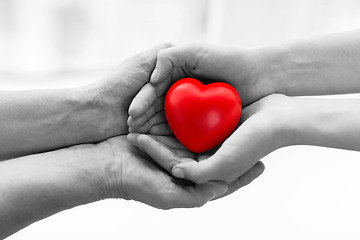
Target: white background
x,y
304,193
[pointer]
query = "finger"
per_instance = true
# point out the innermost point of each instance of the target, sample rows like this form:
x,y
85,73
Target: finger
x,y
158,118
171,142
203,157
133,139
167,75
245,179
174,58
217,167
146,97
147,58
161,129
159,152
151,53
196,196
249,111
157,106
243,149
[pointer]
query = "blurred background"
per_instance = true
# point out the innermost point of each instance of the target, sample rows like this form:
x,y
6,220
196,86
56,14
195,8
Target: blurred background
x,y
305,192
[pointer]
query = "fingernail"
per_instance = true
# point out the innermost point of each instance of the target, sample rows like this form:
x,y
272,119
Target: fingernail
x,y
219,191
177,172
154,75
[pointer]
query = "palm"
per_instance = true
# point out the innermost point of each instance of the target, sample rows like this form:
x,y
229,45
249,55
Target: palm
x,y
139,178
220,64
260,132
169,152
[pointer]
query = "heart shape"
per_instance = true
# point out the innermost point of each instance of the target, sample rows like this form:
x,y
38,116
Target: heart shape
x,y
202,116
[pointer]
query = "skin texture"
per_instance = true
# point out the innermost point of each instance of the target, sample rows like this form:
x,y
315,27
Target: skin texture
x,y
271,123
41,120
168,152
36,186
320,65
114,168
87,173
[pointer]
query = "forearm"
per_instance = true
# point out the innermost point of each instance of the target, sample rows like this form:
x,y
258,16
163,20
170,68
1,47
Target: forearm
x,y
327,64
327,123
37,186
42,120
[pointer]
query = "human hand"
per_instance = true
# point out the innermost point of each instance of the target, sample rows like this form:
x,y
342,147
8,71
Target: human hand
x,y
238,67
115,92
131,174
147,109
168,152
264,128
266,125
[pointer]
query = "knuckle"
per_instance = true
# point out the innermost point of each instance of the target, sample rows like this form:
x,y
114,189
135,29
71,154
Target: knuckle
x,y
138,59
165,56
162,54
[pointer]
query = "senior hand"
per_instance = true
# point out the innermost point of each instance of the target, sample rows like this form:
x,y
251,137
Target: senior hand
x,y
115,92
39,185
168,152
42,120
132,175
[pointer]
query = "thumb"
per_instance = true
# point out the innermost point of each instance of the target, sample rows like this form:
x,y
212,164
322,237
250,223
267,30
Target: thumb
x,y
210,169
172,58
236,155
165,64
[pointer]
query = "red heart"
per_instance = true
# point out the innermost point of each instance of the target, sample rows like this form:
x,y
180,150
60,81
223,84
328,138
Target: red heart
x,y
202,116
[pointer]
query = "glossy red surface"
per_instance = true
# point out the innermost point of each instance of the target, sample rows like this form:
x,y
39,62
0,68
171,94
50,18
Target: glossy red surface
x,y
202,116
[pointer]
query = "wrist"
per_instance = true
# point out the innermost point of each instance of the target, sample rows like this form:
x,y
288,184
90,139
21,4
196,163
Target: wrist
x,y
285,119
102,116
270,72
93,169
109,168
309,121
327,122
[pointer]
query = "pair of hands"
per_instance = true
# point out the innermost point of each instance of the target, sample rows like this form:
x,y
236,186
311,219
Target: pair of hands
x,y
135,171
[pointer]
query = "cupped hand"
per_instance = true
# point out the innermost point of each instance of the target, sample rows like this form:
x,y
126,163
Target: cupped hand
x,y
168,152
115,92
264,128
208,63
131,174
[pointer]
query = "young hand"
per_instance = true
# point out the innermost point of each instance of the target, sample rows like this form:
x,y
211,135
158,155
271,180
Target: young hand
x,y
235,66
264,128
